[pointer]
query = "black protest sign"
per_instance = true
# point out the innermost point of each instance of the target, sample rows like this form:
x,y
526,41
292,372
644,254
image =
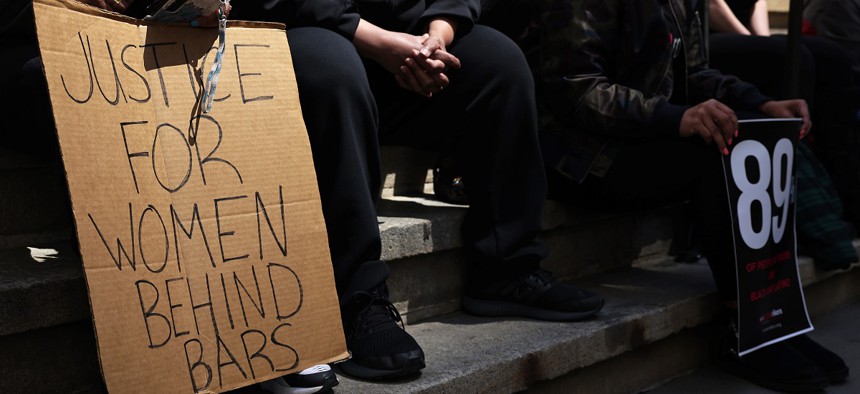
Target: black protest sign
x,y
759,174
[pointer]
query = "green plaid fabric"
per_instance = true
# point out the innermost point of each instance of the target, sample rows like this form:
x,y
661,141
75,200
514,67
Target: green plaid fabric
x,y
821,232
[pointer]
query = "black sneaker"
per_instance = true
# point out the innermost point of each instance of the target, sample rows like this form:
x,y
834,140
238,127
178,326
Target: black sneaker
x,y
312,380
830,363
536,295
778,366
381,348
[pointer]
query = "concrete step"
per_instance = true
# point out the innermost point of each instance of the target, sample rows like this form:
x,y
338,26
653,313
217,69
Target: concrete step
x,y
421,237
653,312
647,304
836,330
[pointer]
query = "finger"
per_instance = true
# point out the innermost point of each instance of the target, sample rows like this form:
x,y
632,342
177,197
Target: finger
x,y
210,20
412,81
430,46
703,132
716,136
409,79
729,121
447,58
424,80
401,82
803,112
428,64
442,80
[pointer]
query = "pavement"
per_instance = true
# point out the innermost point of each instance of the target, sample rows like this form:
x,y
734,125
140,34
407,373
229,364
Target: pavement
x,y
836,330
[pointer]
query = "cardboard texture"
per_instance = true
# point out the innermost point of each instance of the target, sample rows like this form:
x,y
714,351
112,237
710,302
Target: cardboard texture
x,y
205,255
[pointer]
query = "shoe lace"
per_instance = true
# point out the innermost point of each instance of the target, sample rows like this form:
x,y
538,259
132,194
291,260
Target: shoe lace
x,y
542,276
376,313
534,282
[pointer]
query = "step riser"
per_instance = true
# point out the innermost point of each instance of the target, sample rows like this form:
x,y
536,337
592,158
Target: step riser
x,y
59,359
426,286
688,350
33,200
683,352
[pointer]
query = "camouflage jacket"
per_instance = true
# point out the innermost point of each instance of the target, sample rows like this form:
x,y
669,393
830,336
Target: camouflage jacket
x,y
606,76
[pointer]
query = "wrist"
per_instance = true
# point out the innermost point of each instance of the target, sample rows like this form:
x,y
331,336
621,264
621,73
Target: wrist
x,y
765,107
369,40
444,29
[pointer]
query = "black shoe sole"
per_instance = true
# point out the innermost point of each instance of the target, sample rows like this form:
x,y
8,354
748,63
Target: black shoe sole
x,y
512,309
355,370
837,377
795,386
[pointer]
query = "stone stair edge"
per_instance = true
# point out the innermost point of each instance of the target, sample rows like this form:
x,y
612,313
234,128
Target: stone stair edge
x,y
627,322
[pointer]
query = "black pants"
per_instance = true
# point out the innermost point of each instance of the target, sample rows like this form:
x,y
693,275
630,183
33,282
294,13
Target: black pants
x,y
648,175
488,112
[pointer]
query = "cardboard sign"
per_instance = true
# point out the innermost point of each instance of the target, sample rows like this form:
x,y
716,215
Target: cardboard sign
x,y
759,173
202,235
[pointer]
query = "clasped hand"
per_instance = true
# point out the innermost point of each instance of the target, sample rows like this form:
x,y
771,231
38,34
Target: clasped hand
x,y
419,63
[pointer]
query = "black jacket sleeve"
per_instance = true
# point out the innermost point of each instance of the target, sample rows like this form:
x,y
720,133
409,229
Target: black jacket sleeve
x,y
342,16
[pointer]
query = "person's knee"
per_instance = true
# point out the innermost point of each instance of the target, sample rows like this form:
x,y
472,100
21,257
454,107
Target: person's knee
x,y
326,62
490,56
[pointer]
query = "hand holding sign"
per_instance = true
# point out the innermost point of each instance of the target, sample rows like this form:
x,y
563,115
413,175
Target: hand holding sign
x,y
789,109
711,120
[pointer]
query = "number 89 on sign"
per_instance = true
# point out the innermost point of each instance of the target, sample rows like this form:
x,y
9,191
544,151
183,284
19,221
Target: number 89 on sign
x,y
771,191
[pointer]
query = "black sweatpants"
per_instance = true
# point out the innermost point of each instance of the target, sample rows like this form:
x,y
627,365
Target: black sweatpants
x,y
488,112
648,175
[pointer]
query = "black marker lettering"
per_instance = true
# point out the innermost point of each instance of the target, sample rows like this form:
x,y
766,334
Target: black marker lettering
x,y
227,302
148,313
261,208
139,75
246,100
117,259
118,85
233,361
197,364
89,74
284,345
209,158
195,307
130,154
140,238
292,273
155,145
223,234
258,305
173,306
158,67
257,353
195,215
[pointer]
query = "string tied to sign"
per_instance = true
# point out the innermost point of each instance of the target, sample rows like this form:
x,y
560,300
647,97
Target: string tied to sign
x,y
207,91
215,71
